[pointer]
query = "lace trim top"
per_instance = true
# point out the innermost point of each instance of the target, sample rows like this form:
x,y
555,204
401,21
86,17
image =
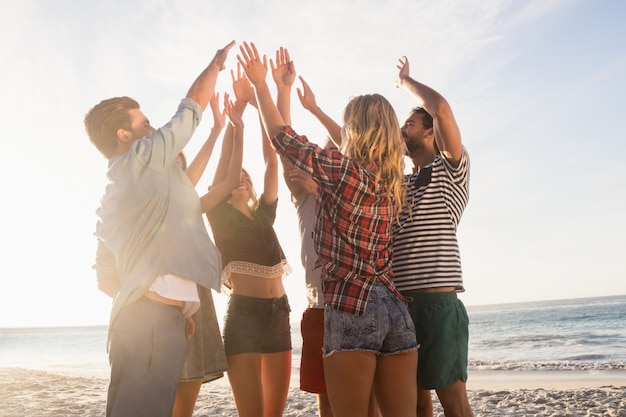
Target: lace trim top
x,y
246,268
248,245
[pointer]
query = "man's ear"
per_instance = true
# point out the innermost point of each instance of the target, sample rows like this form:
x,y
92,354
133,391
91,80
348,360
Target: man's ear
x,y
123,135
430,131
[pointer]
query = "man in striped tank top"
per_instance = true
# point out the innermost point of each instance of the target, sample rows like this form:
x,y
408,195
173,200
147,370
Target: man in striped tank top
x,y
426,259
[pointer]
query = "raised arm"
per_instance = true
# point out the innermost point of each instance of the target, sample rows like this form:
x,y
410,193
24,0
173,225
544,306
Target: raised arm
x,y
203,88
256,71
243,94
198,165
220,190
307,99
284,74
270,179
447,133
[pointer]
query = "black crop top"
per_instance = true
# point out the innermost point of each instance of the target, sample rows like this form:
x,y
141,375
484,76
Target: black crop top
x,y
248,246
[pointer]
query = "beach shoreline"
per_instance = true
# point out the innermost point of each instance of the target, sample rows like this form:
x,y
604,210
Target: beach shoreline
x,y
549,380
36,393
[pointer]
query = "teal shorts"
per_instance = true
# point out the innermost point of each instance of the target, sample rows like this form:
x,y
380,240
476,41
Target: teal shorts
x,y
441,328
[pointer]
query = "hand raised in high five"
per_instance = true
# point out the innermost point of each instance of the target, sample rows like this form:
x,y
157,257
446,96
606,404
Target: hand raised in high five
x,y
203,87
256,71
219,59
403,74
244,93
307,99
233,113
219,117
283,71
252,64
306,96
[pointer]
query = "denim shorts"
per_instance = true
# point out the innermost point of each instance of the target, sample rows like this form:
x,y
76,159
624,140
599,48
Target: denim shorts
x,y
257,325
441,324
385,328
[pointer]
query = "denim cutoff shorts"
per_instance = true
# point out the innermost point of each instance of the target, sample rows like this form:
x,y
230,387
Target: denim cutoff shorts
x,y
385,328
257,325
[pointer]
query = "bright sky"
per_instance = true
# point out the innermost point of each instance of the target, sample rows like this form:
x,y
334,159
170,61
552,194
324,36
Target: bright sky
x,y
537,87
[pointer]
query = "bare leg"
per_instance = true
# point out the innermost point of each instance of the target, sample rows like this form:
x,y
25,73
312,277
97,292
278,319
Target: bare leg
x,y
424,403
454,400
323,406
275,376
396,384
186,396
349,381
244,374
324,410
373,410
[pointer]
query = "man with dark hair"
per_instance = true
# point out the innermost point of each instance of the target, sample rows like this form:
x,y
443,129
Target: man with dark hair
x,y
153,246
427,263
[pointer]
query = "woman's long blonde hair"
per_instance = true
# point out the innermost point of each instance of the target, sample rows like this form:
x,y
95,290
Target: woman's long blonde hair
x,y
373,138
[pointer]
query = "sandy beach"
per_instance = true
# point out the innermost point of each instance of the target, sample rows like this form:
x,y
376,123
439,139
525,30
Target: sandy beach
x,y
34,393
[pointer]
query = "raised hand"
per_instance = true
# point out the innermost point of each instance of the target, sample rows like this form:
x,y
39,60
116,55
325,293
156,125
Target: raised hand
x,y
219,59
306,96
253,66
283,71
219,118
234,116
244,93
403,74
203,87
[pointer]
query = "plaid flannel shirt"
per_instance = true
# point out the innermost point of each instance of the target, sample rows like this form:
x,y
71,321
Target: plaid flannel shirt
x,y
352,230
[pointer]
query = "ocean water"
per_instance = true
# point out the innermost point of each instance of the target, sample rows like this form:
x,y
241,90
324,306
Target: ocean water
x,y
577,334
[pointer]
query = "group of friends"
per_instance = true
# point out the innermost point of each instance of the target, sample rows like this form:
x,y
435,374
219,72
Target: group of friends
x,y
379,250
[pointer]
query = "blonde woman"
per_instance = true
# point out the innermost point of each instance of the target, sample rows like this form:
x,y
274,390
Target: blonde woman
x,y
369,339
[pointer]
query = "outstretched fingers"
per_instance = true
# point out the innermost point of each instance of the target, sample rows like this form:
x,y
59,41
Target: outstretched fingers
x,y
306,96
219,116
254,68
403,64
403,70
249,52
286,57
